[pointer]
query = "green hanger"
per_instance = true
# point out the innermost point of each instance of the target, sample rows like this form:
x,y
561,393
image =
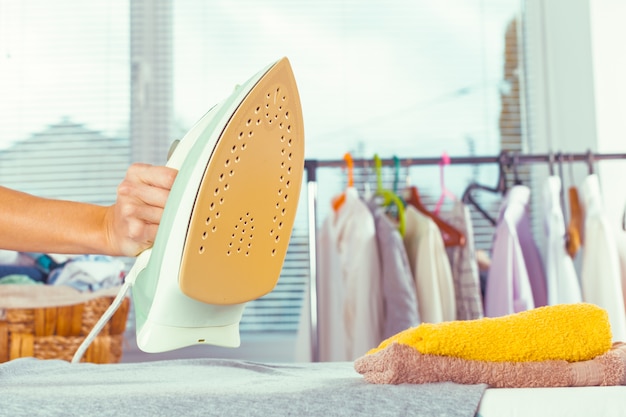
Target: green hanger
x,y
396,179
396,173
389,197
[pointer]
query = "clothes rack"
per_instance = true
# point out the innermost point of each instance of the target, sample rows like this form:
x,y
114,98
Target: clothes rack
x,y
504,158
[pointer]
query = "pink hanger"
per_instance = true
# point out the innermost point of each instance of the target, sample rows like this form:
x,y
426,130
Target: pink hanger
x,y
445,160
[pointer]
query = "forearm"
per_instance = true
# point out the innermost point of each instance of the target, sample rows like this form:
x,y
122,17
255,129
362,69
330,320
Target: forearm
x,y
129,226
34,224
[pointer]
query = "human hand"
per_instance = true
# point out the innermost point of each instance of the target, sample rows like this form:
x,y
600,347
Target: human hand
x,y
132,221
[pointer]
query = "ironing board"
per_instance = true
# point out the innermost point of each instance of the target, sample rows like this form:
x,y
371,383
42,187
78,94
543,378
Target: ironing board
x,y
218,387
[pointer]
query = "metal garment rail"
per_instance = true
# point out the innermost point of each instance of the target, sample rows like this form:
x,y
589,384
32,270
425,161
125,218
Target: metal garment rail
x,y
506,158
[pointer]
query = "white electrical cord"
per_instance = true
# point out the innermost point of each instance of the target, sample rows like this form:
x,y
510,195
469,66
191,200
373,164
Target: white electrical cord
x,y
140,264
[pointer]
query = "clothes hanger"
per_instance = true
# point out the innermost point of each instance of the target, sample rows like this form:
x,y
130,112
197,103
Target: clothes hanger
x,y
575,225
396,179
396,174
341,198
551,163
367,190
500,188
388,196
445,160
514,163
590,161
559,158
450,234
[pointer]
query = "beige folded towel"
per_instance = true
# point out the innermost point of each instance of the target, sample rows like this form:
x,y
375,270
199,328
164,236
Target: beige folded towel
x,y
399,363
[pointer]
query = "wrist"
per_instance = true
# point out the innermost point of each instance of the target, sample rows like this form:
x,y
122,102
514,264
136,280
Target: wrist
x,y
107,239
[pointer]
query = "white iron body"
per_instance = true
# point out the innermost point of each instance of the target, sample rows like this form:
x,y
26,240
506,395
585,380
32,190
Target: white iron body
x,y
167,318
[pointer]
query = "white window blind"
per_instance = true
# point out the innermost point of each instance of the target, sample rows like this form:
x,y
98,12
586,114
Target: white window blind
x,y
64,97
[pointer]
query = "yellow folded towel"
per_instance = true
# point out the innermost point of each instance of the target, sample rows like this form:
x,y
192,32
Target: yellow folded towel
x,y
571,332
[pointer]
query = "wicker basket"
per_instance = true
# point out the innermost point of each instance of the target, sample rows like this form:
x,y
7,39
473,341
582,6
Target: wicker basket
x,y
57,332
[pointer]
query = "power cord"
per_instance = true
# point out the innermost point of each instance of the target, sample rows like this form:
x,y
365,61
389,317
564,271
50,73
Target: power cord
x,y
129,281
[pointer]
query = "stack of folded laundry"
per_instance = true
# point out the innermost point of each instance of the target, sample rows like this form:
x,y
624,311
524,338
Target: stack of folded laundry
x,y
553,346
85,273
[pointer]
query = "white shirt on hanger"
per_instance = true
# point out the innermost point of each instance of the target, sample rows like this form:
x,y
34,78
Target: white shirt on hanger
x,y
621,249
561,278
350,312
431,268
600,277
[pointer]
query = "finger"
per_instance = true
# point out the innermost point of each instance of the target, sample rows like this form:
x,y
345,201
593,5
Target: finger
x,y
150,196
153,175
149,215
138,237
132,191
130,210
148,235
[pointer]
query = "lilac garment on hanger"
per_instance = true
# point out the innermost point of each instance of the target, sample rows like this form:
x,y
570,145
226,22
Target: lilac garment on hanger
x,y
516,280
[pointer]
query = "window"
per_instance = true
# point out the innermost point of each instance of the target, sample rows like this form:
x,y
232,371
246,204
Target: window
x,y
64,90
81,84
